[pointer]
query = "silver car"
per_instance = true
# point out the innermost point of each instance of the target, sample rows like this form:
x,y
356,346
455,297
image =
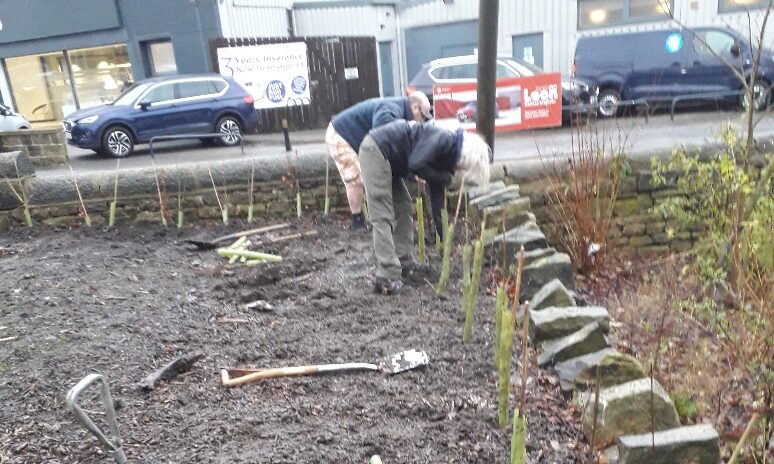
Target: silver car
x,y
11,121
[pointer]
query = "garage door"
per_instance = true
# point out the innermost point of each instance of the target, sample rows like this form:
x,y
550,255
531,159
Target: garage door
x,y
428,43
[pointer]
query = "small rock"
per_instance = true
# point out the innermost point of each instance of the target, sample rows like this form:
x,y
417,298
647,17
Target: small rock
x,y
554,293
690,444
626,410
259,305
587,340
545,270
552,323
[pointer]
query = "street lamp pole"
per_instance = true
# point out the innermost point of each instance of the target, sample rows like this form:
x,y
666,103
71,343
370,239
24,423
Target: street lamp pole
x,y
487,69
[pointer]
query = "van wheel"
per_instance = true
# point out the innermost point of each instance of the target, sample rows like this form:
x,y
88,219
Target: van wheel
x,y
608,103
761,92
231,130
117,141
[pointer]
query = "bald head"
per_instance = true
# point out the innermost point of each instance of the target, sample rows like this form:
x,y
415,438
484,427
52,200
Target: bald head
x,y
420,106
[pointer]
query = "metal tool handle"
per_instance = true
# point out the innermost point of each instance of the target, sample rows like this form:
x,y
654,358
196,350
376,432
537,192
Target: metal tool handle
x,y
113,447
290,372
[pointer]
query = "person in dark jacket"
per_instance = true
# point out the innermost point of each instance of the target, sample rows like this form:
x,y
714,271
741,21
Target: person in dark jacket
x,y
347,130
400,149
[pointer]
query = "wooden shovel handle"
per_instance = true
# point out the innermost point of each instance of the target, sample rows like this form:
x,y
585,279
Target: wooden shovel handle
x,y
266,374
256,375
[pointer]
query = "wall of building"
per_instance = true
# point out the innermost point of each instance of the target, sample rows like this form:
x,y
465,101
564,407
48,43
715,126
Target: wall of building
x,y
255,18
378,21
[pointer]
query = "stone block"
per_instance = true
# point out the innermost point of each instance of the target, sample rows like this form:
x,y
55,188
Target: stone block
x,y
640,240
680,245
552,323
637,228
513,212
587,340
693,444
15,165
544,270
475,192
615,369
493,198
10,192
626,410
552,294
510,243
533,255
659,238
654,249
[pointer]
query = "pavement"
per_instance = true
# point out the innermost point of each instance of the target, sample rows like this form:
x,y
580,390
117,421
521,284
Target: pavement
x,y
640,138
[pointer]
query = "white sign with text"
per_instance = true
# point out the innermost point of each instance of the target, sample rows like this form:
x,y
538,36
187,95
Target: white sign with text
x,y
276,75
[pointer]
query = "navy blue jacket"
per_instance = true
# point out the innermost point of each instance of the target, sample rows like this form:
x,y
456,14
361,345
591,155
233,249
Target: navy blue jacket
x,y
354,123
423,150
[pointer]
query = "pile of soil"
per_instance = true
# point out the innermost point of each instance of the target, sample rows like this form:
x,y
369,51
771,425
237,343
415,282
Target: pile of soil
x,y
125,302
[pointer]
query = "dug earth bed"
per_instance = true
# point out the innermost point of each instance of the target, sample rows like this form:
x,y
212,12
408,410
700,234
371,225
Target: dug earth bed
x,y
128,301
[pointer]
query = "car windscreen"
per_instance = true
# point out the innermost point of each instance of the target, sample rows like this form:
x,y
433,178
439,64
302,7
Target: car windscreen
x,y
524,68
131,94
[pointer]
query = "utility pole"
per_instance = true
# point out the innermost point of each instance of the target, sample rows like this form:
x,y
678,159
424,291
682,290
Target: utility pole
x,y
488,14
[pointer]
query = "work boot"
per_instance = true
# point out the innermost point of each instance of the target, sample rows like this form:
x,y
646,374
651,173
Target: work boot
x,y
414,269
358,222
389,287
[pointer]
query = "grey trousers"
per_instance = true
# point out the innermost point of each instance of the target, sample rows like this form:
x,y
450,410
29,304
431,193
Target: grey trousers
x,y
389,209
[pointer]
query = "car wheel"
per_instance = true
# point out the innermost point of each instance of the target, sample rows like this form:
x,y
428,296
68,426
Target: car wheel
x,y
761,94
117,141
231,130
608,103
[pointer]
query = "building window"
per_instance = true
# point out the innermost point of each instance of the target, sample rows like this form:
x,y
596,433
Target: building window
x,y
41,86
160,56
735,5
100,74
600,13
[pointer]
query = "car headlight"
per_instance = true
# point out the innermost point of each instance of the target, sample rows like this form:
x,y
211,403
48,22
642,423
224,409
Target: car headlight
x,y
88,120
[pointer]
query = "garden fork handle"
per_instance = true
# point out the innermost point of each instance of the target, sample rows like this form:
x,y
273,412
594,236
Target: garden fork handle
x,y
113,447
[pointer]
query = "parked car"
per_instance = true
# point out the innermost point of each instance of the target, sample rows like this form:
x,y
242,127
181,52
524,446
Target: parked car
x,y
577,95
469,111
663,64
12,121
172,105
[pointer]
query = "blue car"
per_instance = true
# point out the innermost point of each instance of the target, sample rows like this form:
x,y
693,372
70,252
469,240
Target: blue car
x,y
172,105
663,64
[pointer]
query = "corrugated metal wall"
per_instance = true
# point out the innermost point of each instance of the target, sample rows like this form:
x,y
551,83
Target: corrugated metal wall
x,y
363,20
556,19
254,18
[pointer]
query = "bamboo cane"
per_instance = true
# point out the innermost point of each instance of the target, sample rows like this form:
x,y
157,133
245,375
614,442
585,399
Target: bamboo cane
x,y
421,223
158,189
327,206
447,248
517,293
506,344
250,209
501,305
114,203
86,217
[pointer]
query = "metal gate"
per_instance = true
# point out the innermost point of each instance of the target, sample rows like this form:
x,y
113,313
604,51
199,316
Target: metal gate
x,y
331,92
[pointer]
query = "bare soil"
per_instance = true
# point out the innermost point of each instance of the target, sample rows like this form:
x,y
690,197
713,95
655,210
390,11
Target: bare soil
x,y
125,302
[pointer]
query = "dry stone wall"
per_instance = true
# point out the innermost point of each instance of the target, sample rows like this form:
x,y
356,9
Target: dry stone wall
x,y
44,147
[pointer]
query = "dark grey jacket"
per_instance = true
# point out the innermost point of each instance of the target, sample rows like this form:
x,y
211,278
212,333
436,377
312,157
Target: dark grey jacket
x,y
354,123
422,150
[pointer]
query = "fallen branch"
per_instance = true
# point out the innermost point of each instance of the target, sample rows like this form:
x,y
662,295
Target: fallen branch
x,y
8,339
178,366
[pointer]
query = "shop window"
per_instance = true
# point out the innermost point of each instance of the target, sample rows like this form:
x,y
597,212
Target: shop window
x,y
160,56
599,13
100,74
731,5
41,86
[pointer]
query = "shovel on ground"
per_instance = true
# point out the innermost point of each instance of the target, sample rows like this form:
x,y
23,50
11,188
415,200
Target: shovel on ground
x,y
203,244
399,362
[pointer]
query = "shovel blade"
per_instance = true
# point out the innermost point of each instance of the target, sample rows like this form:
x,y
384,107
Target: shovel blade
x,y
404,361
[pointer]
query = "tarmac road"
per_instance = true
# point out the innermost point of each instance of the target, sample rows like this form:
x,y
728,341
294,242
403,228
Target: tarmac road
x,y
638,137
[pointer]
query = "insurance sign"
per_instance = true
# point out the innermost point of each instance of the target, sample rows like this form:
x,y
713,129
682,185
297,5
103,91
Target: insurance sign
x,y
276,75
